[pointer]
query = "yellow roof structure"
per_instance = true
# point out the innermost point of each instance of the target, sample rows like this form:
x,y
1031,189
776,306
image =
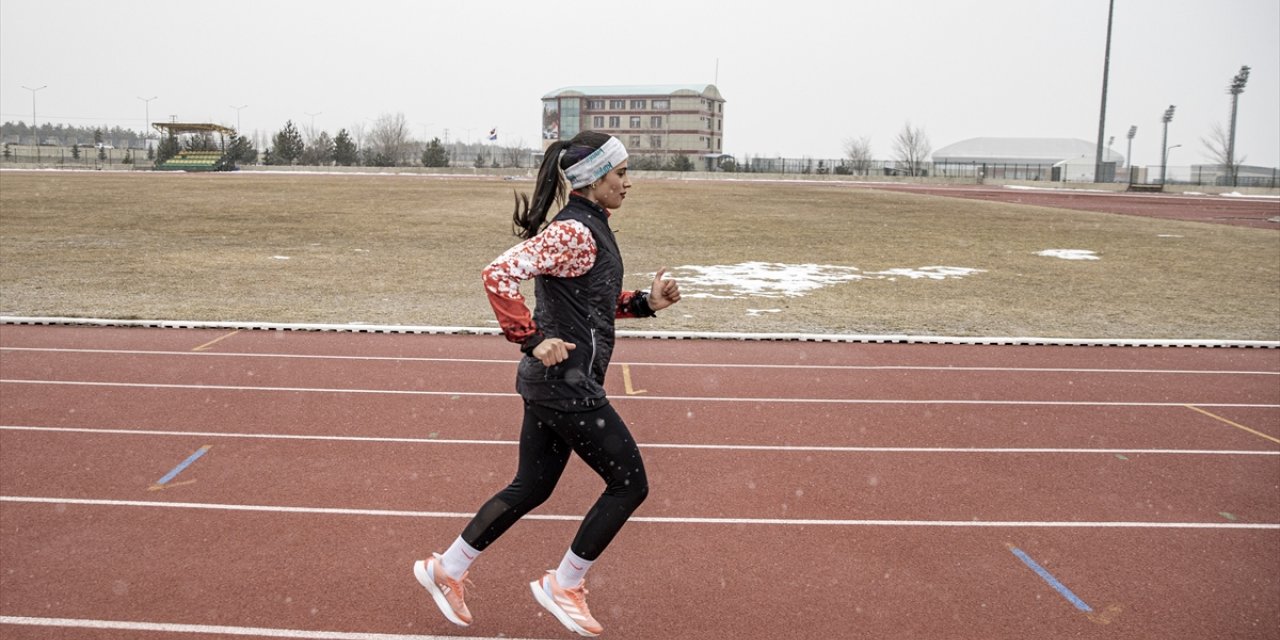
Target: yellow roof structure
x,y
177,128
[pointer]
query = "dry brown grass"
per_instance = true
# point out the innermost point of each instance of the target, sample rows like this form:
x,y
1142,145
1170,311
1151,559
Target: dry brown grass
x,y
409,249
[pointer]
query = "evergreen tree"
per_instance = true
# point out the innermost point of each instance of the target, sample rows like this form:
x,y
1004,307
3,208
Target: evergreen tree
x,y
7,153
435,154
102,153
128,157
151,152
167,148
75,151
344,150
479,163
97,137
287,146
320,151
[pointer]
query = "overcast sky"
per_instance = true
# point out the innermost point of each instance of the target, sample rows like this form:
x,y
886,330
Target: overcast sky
x,y
800,76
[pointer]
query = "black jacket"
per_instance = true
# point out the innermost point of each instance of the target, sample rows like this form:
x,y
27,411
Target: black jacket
x,y
580,311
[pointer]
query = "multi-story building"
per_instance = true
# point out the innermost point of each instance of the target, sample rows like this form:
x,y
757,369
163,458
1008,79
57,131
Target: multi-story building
x,y
658,122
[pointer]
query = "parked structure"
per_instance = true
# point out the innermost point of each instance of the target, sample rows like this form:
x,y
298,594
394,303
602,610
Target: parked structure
x,y
656,122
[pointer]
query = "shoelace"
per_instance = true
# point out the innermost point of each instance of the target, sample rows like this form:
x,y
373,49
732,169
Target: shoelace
x,y
579,595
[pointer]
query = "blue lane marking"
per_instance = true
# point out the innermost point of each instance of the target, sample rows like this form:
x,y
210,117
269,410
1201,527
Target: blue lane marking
x,y
185,463
1053,582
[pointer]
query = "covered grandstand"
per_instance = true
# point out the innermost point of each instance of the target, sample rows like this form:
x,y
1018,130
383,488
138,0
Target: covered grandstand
x,y
1026,158
193,156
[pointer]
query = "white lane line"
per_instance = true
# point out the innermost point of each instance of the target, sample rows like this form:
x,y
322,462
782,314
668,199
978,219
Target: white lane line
x,y
691,365
1003,524
655,445
673,335
166,627
494,394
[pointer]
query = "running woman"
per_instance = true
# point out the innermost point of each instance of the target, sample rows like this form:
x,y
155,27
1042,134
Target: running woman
x,y
567,342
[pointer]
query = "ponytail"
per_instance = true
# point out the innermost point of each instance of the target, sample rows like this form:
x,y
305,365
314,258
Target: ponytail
x,y
551,186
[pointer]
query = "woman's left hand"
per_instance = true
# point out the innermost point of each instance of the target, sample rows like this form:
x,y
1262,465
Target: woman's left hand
x,y
664,293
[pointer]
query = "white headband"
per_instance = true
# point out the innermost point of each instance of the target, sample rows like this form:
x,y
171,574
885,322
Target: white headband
x,y
600,162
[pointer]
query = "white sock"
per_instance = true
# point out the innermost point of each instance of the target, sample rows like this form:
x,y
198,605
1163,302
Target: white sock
x,y
458,558
572,570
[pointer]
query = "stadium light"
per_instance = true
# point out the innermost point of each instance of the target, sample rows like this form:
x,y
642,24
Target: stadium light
x,y
1102,112
1164,150
1133,131
1236,88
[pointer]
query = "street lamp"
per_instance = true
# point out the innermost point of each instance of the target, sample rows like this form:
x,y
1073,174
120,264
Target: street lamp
x,y
146,128
1236,88
35,129
312,132
238,132
1164,155
1167,152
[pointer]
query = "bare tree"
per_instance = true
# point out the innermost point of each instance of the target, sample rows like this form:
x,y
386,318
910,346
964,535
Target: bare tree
x,y
514,154
912,147
1218,144
858,151
390,137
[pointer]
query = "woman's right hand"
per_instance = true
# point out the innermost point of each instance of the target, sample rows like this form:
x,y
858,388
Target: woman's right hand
x,y
553,351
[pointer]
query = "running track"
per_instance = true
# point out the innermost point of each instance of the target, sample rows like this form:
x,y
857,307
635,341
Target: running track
x,y
799,490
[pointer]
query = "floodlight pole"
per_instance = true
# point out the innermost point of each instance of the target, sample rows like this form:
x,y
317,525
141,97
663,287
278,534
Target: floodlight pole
x,y
1236,88
1102,113
1164,150
1133,131
34,128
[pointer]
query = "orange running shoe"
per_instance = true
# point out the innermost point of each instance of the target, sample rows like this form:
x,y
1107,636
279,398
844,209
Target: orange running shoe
x,y
569,606
448,593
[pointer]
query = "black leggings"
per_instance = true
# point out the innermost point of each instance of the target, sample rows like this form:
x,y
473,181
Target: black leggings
x,y
602,440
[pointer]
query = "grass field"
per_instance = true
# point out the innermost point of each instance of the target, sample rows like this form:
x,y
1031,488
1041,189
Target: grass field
x,y
409,250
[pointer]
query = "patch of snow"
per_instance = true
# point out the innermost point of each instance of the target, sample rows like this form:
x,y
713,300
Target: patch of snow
x,y
1070,254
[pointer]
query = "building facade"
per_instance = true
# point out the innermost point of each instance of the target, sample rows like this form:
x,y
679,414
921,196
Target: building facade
x,y
655,122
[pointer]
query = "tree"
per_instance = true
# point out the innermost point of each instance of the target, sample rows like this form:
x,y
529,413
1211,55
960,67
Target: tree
x,y
1218,144
102,152
320,151
75,151
287,145
479,163
858,151
97,137
912,147
128,157
512,155
681,163
240,150
390,137
345,152
7,153
167,148
435,154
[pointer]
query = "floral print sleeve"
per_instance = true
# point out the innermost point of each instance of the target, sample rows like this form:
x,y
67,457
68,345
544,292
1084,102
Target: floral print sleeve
x,y
564,249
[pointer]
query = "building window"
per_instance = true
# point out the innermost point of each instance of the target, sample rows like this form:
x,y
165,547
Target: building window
x,y
595,104
637,104
655,122
720,107
655,142
635,142
617,104
615,122
597,121
635,122
708,143
661,104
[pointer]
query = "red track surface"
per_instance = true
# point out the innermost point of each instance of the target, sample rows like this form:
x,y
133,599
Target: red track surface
x,y
799,490
1261,213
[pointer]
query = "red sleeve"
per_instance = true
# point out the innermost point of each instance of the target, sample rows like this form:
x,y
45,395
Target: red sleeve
x,y
563,249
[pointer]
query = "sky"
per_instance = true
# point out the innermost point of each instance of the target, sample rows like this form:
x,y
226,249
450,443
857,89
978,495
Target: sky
x,y
800,77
